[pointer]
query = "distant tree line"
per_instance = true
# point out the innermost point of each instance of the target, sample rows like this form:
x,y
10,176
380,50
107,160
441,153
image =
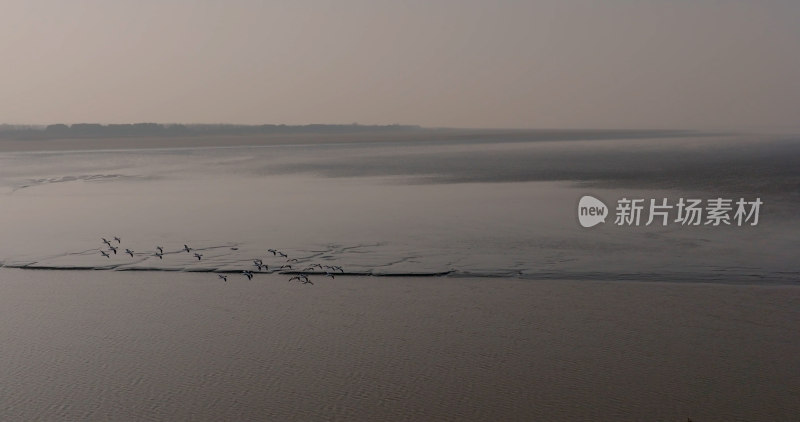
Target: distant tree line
x,y
93,130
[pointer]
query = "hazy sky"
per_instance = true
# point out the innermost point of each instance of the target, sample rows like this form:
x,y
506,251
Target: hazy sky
x,y
466,63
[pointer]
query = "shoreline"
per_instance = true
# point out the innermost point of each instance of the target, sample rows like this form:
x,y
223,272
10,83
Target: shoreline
x,y
689,278
114,143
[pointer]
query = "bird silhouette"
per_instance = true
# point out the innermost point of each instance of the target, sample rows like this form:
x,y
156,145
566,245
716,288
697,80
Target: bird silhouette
x,y
301,278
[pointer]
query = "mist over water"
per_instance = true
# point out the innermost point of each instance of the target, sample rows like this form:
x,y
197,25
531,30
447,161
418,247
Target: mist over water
x,y
440,272
513,311
469,206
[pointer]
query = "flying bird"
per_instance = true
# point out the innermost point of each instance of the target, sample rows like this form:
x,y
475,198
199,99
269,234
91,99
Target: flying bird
x,y
274,252
160,249
117,239
198,256
301,278
248,274
113,249
106,241
223,277
129,252
187,248
105,254
159,255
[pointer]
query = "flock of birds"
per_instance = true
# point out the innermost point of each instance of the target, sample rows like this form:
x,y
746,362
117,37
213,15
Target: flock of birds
x,y
300,276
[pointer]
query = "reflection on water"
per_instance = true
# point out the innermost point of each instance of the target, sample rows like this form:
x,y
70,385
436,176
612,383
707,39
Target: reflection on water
x,y
471,207
490,341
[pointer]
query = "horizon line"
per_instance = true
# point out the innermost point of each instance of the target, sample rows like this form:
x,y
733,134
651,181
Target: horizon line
x,y
88,124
